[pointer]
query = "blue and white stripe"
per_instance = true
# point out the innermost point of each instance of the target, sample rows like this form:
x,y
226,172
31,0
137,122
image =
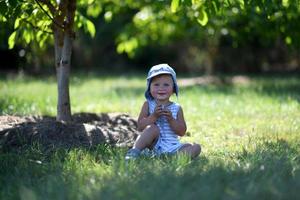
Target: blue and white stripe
x,y
168,141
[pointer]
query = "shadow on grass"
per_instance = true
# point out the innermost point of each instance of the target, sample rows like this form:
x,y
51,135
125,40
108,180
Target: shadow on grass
x,y
283,92
271,172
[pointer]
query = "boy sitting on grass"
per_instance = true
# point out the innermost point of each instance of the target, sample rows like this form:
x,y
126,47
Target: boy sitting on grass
x,y
160,120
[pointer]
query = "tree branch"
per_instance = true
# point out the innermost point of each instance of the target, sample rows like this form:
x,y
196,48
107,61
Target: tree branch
x,y
50,6
52,9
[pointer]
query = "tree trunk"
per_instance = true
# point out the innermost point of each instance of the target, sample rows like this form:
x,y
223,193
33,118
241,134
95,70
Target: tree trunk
x,y
63,74
63,39
63,50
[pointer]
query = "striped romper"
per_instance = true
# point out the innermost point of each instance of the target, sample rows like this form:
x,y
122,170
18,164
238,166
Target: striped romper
x,y
168,141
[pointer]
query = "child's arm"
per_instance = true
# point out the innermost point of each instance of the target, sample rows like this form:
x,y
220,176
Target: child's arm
x,y
177,125
144,118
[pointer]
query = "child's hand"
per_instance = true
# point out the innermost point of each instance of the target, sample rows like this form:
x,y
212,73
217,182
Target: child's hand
x,y
167,114
158,111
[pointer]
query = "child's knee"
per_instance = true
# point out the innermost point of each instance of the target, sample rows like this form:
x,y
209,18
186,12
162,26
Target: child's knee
x,y
196,149
153,129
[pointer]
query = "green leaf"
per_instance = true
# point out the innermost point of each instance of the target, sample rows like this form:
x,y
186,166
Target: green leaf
x,y
242,4
108,16
203,18
94,10
3,19
27,36
288,40
39,35
197,2
11,40
87,24
90,28
215,7
17,23
128,46
42,41
174,5
285,3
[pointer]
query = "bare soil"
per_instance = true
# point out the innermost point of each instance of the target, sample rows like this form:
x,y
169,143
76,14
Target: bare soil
x,y
85,130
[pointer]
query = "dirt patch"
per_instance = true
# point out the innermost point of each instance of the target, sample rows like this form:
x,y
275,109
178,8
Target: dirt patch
x,y
86,130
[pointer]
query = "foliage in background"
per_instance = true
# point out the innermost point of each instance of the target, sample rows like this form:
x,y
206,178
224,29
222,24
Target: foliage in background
x,y
195,35
209,34
32,23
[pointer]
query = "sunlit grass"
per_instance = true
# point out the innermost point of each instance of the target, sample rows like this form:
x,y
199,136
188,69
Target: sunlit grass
x,y
249,134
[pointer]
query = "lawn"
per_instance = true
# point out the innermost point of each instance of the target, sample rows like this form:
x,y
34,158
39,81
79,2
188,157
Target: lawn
x,y
248,128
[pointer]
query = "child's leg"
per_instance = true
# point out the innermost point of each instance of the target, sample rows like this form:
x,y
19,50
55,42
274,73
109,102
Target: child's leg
x,y
147,137
192,150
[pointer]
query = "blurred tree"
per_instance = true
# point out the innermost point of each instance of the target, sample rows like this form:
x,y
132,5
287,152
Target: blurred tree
x,y
42,21
244,24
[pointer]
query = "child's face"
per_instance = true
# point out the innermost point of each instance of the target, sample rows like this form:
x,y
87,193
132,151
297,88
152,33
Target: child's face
x,y
161,87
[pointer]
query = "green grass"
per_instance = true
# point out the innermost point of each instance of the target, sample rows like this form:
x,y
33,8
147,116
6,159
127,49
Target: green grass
x,y
249,134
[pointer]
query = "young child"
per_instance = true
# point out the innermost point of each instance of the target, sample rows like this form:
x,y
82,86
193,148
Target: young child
x,y
160,120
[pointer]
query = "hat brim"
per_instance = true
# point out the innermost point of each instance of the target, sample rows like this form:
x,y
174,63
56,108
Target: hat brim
x,y
158,73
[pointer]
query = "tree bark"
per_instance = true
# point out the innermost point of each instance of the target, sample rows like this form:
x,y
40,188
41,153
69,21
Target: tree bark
x,y
63,39
63,74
